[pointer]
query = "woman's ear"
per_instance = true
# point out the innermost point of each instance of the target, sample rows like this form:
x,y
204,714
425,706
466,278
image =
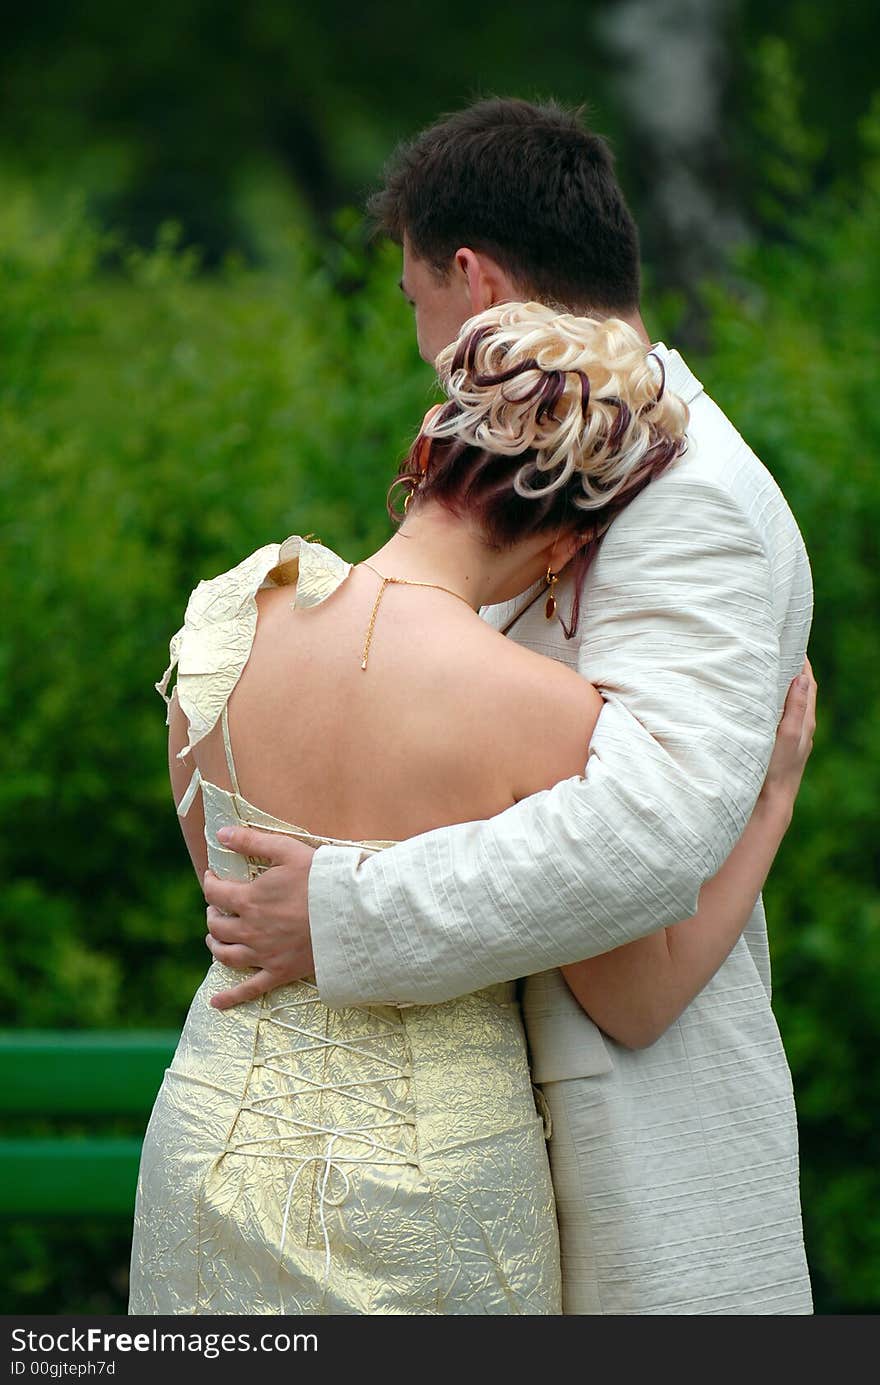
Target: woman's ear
x,y
564,549
422,453
575,544
424,446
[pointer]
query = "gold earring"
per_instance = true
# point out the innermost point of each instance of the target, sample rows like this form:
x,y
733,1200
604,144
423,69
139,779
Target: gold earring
x,y
550,608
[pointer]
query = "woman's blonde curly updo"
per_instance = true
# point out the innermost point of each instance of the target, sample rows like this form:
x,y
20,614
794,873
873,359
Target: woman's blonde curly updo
x,y
585,396
552,422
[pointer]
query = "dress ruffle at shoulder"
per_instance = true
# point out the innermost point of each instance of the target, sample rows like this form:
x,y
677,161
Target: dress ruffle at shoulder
x,y
214,643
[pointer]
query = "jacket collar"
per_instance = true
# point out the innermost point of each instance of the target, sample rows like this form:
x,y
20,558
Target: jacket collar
x,y
680,379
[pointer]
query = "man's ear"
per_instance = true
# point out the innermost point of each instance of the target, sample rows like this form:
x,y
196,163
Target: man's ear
x,y
486,282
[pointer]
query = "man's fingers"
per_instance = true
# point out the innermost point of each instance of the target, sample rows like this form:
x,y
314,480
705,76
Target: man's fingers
x,y
228,896
234,955
224,929
252,989
247,841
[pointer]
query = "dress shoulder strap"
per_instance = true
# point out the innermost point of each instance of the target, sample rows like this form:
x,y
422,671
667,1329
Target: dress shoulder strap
x,y
214,643
227,746
212,646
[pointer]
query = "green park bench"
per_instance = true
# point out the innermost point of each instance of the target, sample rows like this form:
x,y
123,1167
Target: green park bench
x,y
84,1076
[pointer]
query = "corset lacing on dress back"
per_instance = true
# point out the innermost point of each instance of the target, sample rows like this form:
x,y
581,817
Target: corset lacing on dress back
x,y
297,1010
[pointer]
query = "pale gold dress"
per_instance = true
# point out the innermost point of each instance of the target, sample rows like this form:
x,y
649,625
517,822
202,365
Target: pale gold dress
x,y
304,1160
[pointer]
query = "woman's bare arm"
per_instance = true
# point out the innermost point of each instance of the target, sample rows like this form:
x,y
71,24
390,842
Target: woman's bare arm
x,y
192,825
637,991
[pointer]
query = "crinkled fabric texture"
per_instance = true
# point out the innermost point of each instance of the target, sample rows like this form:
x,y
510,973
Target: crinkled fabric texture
x,y
212,646
303,1160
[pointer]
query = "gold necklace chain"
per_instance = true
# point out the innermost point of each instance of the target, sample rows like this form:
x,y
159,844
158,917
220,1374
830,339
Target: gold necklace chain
x,y
402,581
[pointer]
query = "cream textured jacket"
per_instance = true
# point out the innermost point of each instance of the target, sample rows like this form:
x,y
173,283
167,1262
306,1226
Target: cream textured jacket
x,y
675,1167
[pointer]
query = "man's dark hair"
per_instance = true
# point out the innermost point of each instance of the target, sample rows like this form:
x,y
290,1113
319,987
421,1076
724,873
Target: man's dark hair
x,y
527,184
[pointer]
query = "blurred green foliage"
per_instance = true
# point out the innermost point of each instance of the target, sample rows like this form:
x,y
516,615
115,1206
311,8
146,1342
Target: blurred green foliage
x,y
156,424
181,107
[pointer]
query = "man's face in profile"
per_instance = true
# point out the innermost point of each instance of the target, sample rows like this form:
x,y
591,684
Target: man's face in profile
x,y
441,304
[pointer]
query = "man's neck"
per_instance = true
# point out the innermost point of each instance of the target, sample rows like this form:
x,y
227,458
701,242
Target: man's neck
x,y
635,321
632,319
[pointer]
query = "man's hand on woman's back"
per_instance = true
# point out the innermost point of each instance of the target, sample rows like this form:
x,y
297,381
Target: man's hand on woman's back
x,y
264,923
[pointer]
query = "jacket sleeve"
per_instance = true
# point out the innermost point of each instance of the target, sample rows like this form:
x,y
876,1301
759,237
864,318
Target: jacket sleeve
x,y
677,631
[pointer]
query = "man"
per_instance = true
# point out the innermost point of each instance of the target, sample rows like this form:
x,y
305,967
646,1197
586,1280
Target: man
x,y
675,1166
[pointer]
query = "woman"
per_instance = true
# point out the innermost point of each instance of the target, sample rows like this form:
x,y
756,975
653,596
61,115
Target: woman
x,y
390,1159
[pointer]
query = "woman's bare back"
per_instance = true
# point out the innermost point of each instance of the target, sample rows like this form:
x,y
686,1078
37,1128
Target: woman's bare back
x,y
450,722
